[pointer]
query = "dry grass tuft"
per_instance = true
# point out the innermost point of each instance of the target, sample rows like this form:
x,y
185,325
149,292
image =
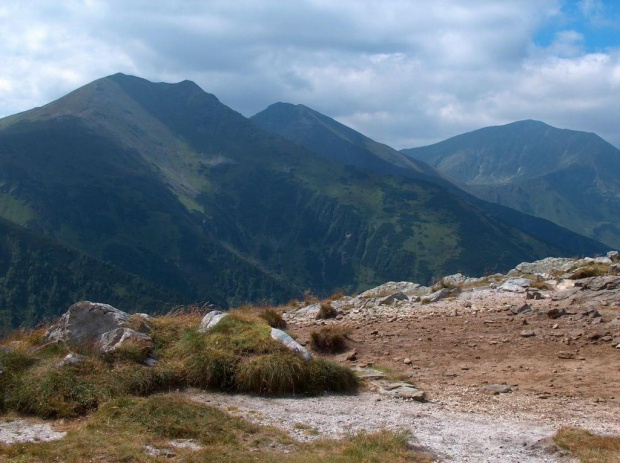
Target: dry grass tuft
x,y
273,318
330,339
588,447
326,311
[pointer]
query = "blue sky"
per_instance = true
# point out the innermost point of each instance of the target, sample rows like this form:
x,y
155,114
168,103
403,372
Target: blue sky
x,y
404,72
597,21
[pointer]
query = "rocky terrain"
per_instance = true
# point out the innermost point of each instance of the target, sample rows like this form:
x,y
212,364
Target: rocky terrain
x,y
476,369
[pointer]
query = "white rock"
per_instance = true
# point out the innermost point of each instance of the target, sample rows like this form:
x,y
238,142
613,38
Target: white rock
x,y
210,320
290,343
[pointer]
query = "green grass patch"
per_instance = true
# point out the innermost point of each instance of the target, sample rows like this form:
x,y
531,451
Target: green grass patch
x,y
238,355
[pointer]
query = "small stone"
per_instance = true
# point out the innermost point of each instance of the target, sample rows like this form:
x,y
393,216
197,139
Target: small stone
x,y
407,361
555,313
566,355
527,333
496,389
71,359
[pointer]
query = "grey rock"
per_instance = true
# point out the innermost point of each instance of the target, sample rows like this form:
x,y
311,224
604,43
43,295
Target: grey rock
x,y
146,316
527,333
71,359
290,343
210,320
544,266
116,339
614,256
437,295
614,269
602,283
515,285
615,342
392,287
369,373
85,322
533,294
401,390
555,313
520,309
496,389
566,355
150,362
400,296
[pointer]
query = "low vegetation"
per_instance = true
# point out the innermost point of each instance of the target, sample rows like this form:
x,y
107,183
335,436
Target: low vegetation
x,y
236,355
273,318
326,311
591,270
146,429
330,339
588,447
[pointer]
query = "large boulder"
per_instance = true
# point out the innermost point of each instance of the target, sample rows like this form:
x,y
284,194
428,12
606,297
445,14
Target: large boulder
x,y
85,322
290,343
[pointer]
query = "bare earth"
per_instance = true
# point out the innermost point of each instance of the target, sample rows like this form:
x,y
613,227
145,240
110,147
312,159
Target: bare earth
x,y
457,346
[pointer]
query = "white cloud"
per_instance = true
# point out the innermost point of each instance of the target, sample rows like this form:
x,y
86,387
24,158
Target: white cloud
x,y
404,72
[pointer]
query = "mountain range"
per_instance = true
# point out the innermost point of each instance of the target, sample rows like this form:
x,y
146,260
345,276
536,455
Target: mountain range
x,y
569,177
182,199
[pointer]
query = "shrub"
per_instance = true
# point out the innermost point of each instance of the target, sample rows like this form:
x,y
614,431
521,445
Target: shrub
x,y
331,339
273,318
326,311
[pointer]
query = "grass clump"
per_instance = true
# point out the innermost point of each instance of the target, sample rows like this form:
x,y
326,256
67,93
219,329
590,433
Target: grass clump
x,y
272,374
592,270
329,339
326,311
273,318
121,430
588,447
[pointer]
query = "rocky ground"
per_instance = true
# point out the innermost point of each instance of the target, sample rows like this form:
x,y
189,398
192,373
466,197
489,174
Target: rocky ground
x,y
503,361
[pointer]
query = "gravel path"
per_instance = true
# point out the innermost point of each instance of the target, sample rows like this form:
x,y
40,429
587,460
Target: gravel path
x,y
455,436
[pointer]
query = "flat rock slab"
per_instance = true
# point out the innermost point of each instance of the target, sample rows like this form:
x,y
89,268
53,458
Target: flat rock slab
x,y
496,389
17,431
369,373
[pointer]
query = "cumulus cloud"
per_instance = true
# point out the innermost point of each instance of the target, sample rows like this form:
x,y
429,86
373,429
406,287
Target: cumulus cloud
x,y
405,73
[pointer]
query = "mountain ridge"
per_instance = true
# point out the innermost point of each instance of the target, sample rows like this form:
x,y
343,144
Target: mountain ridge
x,y
165,182
566,176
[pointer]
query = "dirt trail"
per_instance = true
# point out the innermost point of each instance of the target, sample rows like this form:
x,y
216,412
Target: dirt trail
x,y
454,436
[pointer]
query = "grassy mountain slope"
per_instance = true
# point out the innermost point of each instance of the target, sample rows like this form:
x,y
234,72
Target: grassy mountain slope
x,y
164,181
571,178
39,279
329,138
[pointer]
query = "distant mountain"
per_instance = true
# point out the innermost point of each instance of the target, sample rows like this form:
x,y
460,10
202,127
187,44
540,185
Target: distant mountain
x,y
337,142
164,182
571,178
